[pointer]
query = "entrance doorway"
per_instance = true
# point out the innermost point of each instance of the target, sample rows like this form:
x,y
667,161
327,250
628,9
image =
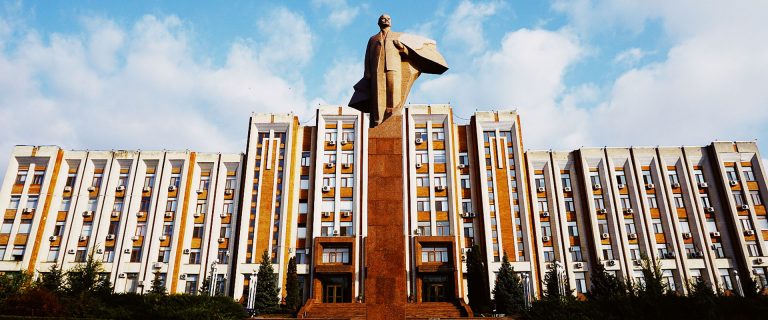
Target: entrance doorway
x,y
336,289
435,288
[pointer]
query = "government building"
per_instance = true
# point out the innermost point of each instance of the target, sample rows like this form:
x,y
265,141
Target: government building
x,y
391,210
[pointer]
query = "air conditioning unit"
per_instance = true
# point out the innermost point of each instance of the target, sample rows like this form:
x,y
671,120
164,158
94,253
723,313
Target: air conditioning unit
x,y
83,238
675,185
418,165
183,277
567,189
146,189
637,263
122,275
27,210
462,166
578,265
439,188
135,238
605,235
120,188
168,214
749,232
417,232
326,214
541,189
686,235
87,213
71,251
335,233
347,165
67,189
331,142
171,188
744,207
346,214
52,238
419,140
141,283
200,191
99,251
620,186
127,251
629,211
703,185
139,214
545,214
602,211
186,251
157,265
714,233
632,236
326,188
759,261
596,186
91,189
733,182
221,240
329,165
671,255
223,215
650,186
709,209
572,249
197,215
611,262
115,214
110,237
467,215
228,192
343,142
163,238
546,238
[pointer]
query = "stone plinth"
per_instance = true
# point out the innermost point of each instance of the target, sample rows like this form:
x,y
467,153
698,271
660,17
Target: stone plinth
x,y
385,283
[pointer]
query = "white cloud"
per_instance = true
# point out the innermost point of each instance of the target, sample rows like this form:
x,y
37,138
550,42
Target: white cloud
x,y
464,26
142,87
341,15
630,56
339,79
286,40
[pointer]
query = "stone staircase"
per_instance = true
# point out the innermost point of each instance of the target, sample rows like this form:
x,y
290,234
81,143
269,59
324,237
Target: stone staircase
x,y
353,311
432,310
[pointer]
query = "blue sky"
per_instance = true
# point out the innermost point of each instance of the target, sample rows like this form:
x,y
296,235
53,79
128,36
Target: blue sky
x,y
187,74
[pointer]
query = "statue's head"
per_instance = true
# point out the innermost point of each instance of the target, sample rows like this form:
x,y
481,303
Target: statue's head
x,y
385,21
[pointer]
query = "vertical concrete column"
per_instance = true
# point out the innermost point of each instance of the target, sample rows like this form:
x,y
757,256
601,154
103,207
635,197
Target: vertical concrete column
x,y
385,283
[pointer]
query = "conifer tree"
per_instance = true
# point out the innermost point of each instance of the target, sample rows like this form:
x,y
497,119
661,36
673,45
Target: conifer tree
x,y
292,298
508,293
653,280
157,285
605,286
267,293
53,280
477,281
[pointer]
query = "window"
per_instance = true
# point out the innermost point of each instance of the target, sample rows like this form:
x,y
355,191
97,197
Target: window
x,y
465,184
595,178
326,229
438,134
679,201
348,135
422,181
301,231
420,133
566,179
599,203
749,175
434,254
422,204
21,177
329,157
730,172
329,181
304,183
229,207
608,254
439,156
347,158
625,201
336,255
699,176
634,251
759,273
225,231
756,198
718,249
705,201
202,207
657,226
303,207
330,135
725,279
647,178
305,157
329,206
32,202
175,179
118,205
6,228
205,181
466,207
132,282
549,254
443,228
546,229
17,253
746,224
753,250
122,179
194,256
223,256
652,203
96,182
170,206
25,226
539,181
197,231
149,180
136,254
14,203
144,206
86,230
602,225
302,256
630,227
190,287
164,254
81,254
576,254
673,178
463,159
469,230
581,282
58,229
424,228
621,178
440,181
345,228
573,229
53,254
37,179
569,206
347,181
441,204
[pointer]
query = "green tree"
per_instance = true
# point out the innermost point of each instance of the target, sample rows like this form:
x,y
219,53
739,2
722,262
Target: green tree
x,y
267,297
556,287
53,280
508,293
86,278
477,281
605,286
205,287
158,287
653,281
14,283
292,298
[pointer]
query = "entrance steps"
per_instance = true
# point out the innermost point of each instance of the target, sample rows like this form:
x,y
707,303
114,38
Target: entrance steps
x,y
353,311
432,310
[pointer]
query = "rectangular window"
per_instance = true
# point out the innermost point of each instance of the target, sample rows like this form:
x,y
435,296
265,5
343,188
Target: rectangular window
x,y
194,256
197,231
424,228
566,179
53,254
679,201
434,254
338,255
573,229
223,256
749,175
347,181
657,226
190,287
304,183
32,202
652,202
422,204
673,178
647,178
730,172
25,226
599,203
345,228
136,254
175,180
348,135
463,159
569,206
576,254
326,229
6,228
164,254
37,179
443,228
438,134
14,204
441,204
756,200
466,207
699,176
581,282
305,158
109,255
149,180
439,156
21,177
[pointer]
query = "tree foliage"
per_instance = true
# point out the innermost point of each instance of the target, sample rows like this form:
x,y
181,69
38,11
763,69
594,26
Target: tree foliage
x,y
292,298
477,281
605,286
158,287
508,293
266,298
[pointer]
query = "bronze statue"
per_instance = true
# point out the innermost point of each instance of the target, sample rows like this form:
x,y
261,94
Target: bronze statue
x,y
393,61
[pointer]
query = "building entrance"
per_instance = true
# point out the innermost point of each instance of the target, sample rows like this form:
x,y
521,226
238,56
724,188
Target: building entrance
x,y
435,288
336,290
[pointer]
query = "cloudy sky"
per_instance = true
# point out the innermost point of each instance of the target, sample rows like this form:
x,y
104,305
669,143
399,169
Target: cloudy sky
x,y
186,75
